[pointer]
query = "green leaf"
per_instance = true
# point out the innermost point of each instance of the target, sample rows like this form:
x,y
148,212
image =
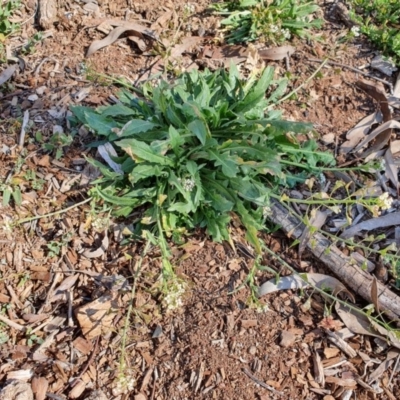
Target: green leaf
x,y
6,197
117,110
217,225
118,200
79,112
183,208
229,167
140,151
176,140
17,196
218,202
217,184
144,171
101,125
135,126
250,225
257,93
200,129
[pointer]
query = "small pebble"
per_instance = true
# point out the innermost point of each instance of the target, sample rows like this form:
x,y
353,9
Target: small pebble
x,y
33,97
252,350
328,138
40,90
287,339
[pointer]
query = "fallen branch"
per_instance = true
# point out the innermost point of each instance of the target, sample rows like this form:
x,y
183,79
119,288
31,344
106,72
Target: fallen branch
x,y
352,275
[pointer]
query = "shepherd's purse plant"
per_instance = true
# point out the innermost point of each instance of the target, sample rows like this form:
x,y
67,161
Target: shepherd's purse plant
x,y
198,153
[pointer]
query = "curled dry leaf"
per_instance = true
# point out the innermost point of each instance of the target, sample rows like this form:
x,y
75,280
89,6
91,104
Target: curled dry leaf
x,y
391,169
107,151
65,285
358,133
360,324
276,53
384,221
384,366
377,91
7,73
384,128
317,220
100,250
131,28
320,281
375,294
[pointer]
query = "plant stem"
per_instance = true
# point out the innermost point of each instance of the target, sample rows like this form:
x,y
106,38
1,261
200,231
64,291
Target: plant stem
x,y
303,84
130,307
29,219
320,202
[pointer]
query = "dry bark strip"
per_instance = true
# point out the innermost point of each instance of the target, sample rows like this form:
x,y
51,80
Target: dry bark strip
x,y
353,276
47,13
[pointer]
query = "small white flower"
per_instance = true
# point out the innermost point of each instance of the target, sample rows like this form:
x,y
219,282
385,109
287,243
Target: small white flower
x,y
189,8
173,299
125,384
355,30
188,184
385,201
286,33
273,28
267,211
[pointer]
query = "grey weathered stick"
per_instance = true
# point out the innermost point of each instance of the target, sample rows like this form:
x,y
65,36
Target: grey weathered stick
x,y
354,277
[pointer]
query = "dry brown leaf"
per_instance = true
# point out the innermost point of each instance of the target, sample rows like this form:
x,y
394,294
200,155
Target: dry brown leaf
x,y
377,92
131,28
276,53
65,285
374,294
227,54
96,317
39,387
185,45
